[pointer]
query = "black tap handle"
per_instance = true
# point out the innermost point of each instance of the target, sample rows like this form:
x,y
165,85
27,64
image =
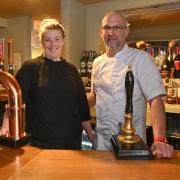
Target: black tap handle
x,y
129,85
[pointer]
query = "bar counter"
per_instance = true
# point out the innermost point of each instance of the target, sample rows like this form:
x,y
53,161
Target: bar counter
x,y
33,163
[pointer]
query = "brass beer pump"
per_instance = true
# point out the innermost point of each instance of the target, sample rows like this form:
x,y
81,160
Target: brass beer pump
x,y
16,136
127,144
128,132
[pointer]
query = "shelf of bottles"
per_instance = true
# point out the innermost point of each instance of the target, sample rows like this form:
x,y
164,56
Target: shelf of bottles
x,y
9,45
6,44
166,56
86,63
167,60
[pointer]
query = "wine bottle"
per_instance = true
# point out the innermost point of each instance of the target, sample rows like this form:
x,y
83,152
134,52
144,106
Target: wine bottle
x,y
171,60
165,67
159,57
10,57
2,54
1,65
89,69
83,64
177,63
171,89
90,62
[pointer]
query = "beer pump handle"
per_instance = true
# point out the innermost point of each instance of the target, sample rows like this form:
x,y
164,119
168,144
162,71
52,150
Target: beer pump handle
x,y
129,85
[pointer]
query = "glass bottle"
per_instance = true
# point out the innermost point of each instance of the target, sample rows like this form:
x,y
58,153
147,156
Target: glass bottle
x,y
165,67
177,63
178,95
158,58
83,64
2,54
10,56
171,60
90,62
1,65
171,89
89,70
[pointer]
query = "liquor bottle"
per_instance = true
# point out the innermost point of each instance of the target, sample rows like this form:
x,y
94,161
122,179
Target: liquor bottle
x,y
151,52
166,82
94,55
2,54
10,56
177,63
90,62
89,69
83,64
171,60
178,95
88,84
155,50
1,65
165,67
159,57
171,89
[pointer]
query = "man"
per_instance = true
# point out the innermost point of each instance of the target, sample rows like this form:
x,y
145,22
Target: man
x,y
108,89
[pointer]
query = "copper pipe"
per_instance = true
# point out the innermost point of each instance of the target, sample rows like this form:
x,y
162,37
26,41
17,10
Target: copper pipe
x,y
14,107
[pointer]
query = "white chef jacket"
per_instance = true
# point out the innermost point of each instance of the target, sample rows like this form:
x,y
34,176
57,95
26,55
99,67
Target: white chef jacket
x,y
108,83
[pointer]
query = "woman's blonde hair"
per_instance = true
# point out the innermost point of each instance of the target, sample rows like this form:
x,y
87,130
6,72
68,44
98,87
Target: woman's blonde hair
x,y
50,24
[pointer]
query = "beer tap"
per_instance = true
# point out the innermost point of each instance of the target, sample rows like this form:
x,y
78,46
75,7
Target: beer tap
x,y
15,110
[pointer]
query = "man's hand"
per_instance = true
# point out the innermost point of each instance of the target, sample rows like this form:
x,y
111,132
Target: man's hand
x,y
162,150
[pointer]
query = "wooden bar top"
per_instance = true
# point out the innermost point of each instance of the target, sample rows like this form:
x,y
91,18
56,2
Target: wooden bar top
x,y
32,163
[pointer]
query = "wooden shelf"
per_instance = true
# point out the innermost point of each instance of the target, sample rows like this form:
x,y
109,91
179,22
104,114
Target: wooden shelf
x,y
174,136
169,108
172,108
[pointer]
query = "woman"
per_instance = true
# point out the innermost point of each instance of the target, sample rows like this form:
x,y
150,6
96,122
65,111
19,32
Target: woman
x,y
52,89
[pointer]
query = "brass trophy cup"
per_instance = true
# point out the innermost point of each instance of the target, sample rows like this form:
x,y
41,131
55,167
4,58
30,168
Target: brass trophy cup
x,y
15,109
128,145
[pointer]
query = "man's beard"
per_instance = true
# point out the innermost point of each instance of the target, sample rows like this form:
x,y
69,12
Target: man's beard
x,y
112,46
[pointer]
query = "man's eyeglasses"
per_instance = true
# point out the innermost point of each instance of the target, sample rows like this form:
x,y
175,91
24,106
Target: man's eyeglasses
x,y
114,28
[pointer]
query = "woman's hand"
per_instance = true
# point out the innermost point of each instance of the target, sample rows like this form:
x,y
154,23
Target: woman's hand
x,y
88,129
4,130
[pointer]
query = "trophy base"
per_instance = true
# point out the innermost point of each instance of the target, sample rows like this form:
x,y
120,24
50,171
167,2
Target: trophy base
x,y
11,142
136,151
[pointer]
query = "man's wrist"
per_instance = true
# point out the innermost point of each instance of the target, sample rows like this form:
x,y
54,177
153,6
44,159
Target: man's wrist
x,y
160,139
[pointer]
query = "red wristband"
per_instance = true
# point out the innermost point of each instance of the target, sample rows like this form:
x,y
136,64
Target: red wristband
x,y
160,139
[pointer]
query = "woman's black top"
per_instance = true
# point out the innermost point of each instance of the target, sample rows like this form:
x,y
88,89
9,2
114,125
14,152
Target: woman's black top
x,y
56,103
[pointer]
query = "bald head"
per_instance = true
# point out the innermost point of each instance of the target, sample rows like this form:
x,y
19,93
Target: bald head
x,y
114,31
115,15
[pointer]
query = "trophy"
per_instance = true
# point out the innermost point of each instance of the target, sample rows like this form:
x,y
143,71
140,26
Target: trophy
x,y
128,145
